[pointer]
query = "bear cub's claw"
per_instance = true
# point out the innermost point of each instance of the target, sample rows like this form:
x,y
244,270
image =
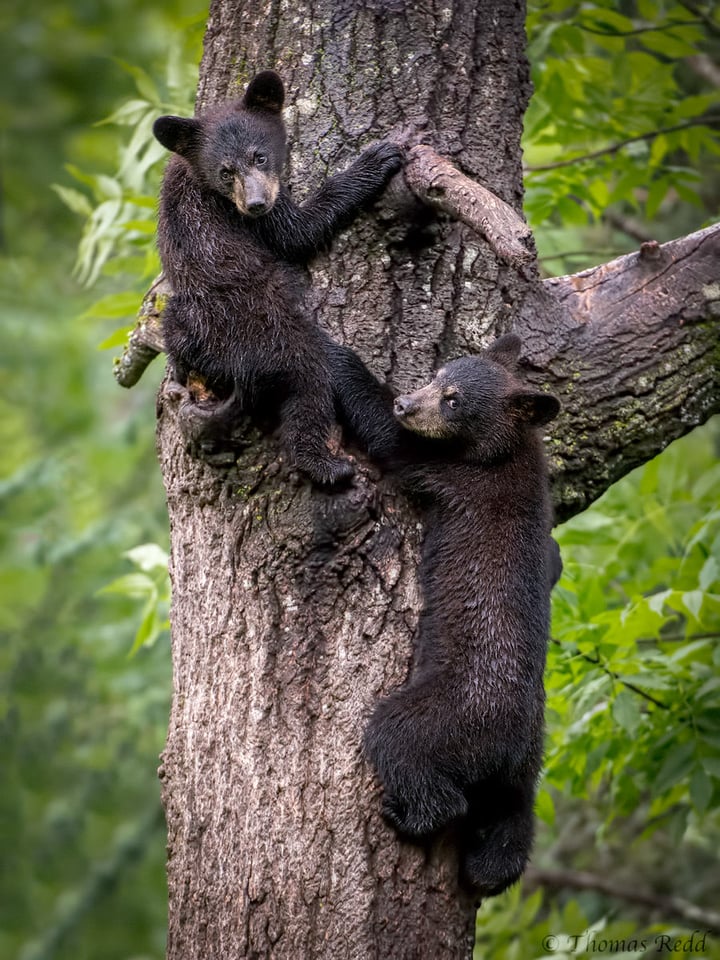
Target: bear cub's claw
x,y
388,157
326,471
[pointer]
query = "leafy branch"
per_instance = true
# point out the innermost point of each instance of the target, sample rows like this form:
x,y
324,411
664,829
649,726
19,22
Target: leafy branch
x,y
703,121
669,907
650,28
597,662
710,25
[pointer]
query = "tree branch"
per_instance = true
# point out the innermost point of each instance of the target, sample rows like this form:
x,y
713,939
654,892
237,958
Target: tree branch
x,y
574,254
631,228
434,180
697,122
438,183
613,676
669,25
674,907
632,352
710,25
145,341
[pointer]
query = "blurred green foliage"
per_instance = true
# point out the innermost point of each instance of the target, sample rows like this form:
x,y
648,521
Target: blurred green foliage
x,y
81,723
621,137
634,682
633,760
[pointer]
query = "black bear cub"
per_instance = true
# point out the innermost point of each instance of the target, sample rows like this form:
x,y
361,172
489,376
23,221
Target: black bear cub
x,y
234,247
462,741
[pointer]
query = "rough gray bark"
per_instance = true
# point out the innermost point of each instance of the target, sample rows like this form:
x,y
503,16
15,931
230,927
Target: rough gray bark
x,y
631,347
294,609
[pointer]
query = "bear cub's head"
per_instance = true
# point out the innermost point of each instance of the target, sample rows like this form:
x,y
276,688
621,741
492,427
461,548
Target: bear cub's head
x,y
478,402
238,149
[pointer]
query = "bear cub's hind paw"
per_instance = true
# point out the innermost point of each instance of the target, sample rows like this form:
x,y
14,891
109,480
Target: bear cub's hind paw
x,y
426,812
490,872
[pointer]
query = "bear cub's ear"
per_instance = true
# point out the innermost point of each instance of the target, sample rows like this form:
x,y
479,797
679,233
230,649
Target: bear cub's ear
x,y
535,409
179,134
505,350
265,92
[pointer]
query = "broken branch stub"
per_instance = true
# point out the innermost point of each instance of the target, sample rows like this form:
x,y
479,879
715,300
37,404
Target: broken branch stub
x,y
436,182
145,341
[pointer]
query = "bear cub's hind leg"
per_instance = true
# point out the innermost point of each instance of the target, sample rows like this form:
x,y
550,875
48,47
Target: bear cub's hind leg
x,y
306,422
405,741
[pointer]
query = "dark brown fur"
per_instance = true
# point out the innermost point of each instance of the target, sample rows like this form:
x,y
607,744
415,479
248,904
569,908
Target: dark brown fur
x,y
462,741
235,247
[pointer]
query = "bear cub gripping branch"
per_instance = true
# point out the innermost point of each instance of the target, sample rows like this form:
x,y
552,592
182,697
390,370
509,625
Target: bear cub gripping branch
x,y
235,248
461,742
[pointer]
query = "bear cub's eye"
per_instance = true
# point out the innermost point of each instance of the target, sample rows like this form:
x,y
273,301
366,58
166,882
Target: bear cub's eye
x,y
260,159
226,174
452,402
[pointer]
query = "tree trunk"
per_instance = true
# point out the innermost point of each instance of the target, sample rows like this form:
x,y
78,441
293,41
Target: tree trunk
x,y
294,609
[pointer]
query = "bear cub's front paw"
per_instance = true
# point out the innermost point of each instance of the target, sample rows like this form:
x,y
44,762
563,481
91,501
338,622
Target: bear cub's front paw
x,y
385,157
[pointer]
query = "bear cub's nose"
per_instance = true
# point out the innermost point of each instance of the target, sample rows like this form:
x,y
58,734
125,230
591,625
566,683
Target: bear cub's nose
x,y
403,406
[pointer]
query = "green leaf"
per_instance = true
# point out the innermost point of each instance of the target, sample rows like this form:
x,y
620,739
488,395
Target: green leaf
x,y
103,187
145,86
709,687
689,651
149,628
658,150
668,44
694,106
131,585
676,826
656,194
545,807
140,200
600,193
73,199
148,556
658,600
647,681
128,113
688,194
118,338
701,790
676,767
592,520
711,765
530,909
601,16
114,305
571,211
626,711
147,227
692,601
